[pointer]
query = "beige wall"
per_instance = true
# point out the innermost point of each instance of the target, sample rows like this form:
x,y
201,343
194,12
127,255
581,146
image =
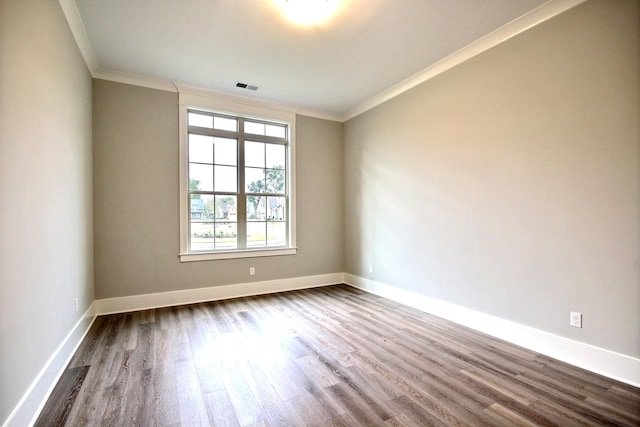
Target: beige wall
x,y
511,183
46,248
137,195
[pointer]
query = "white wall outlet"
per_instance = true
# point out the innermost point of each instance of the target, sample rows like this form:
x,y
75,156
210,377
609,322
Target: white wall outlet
x,y
252,271
575,319
77,305
370,269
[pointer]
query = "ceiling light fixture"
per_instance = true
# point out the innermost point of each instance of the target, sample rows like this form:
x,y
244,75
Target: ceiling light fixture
x,y
308,12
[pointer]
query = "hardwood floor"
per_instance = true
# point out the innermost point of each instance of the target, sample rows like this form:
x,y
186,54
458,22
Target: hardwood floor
x,y
332,356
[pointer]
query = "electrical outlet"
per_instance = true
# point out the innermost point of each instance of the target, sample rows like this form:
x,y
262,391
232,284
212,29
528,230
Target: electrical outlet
x,y
370,269
252,271
575,319
77,305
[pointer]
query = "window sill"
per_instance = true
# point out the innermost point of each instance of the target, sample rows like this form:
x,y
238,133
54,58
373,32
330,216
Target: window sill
x,y
208,256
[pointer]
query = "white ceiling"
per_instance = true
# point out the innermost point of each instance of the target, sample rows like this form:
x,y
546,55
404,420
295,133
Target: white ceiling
x,y
331,68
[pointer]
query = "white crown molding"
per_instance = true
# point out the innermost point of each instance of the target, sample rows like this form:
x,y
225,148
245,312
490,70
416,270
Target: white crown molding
x,y
318,114
28,408
199,92
170,86
70,10
586,356
210,93
135,80
538,15
213,293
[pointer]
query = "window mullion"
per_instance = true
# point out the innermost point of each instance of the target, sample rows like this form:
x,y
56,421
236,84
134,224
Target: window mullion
x,y
242,199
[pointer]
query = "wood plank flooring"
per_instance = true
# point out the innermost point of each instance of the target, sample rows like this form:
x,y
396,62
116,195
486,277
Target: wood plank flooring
x,y
332,356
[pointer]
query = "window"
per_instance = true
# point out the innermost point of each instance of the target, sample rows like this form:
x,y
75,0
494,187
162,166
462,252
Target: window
x,y
237,196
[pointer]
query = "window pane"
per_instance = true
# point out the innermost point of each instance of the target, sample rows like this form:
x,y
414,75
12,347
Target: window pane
x,y
226,235
275,181
225,123
254,154
202,207
276,208
226,151
254,180
200,177
276,233
262,209
276,156
256,234
200,148
225,208
226,178
202,236
200,120
276,131
254,128
255,208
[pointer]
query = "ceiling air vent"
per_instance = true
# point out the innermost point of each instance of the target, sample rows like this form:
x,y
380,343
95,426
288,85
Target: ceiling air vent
x,y
246,86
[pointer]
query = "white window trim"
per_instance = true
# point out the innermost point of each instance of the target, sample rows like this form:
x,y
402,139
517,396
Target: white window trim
x,y
226,106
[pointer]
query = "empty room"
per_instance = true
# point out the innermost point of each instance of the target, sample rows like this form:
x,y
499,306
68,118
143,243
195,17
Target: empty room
x,y
319,212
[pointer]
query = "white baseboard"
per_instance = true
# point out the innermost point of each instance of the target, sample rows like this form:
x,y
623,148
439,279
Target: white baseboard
x,y
28,408
595,359
190,296
605,362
